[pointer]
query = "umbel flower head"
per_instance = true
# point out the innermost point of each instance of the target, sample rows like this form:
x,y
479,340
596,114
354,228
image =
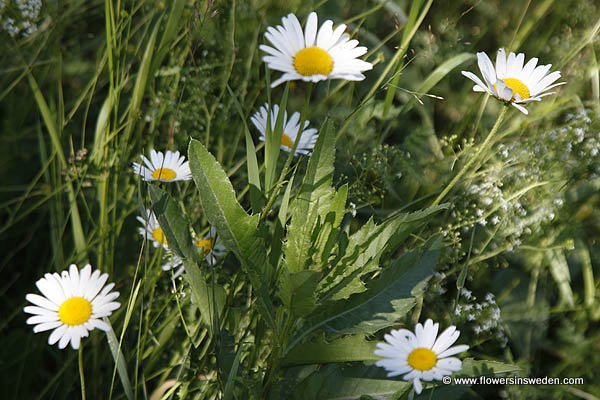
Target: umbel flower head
x,y
72,304
210,246
151,230
313,55
168,167
512,80
291,128
420,355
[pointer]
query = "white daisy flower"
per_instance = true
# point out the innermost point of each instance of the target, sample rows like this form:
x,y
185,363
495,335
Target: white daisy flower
x,y
291,128
419,355
151,230
168,167
513,81
313,56
173,261
211,247
72,304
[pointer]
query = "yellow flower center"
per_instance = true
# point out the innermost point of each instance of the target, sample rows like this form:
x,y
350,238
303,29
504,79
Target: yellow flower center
x,y
206,244
313,61
518,87
166,174
159,235
422,359
287,141
75,311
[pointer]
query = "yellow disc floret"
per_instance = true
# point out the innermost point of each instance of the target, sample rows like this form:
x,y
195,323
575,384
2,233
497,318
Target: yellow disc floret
x,y
422,359
159,235
75,311
518,87
166,174
287,141
206,244
313,61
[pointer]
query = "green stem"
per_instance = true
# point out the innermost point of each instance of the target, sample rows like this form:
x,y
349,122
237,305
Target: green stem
x,y
303,118
288,162
81,377
475,157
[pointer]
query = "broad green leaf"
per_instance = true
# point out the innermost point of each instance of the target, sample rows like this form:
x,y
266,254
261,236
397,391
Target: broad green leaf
x,y
210,299
341,382
387,298
337,382
343,349
238,230
297,291
315,194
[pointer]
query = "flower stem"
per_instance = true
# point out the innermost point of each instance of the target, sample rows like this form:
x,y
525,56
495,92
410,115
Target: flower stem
x,y
81,377
274,191
475,157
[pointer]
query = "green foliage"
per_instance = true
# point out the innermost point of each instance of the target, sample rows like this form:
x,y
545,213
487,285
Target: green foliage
x,y
210,300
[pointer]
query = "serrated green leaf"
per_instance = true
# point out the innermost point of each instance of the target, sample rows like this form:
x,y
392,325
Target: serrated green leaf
x,y
328,229
386,299
365,248
237,229
315,194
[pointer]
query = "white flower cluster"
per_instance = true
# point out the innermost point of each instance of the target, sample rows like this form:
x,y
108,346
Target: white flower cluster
x,y
20,17
484,317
